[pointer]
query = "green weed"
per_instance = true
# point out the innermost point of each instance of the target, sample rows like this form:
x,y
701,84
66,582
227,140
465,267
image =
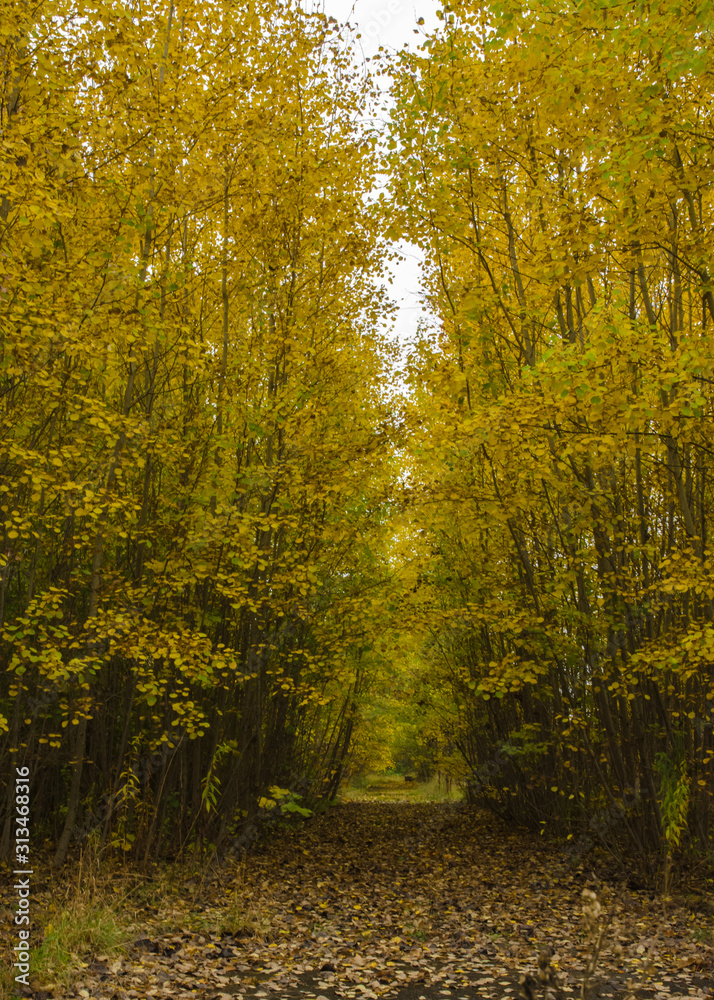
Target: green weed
x,y
88,920
77,933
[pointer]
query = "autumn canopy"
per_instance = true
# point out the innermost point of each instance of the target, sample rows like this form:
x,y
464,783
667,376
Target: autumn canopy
x,y
247,540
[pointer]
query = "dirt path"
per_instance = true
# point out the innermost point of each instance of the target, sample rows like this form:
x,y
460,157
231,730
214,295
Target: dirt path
x,y
410,902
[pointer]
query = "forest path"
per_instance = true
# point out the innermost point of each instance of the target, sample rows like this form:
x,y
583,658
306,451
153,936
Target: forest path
x,y
403,901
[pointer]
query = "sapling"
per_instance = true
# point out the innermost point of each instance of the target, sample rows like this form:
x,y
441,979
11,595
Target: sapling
x,y
595,927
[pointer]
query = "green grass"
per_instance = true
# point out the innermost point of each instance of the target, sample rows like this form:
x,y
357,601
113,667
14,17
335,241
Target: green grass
x,y
79,931
100,911
91,917
393,788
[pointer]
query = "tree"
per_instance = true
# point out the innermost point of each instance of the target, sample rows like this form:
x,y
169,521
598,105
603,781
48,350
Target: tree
x,y
193,430
554,164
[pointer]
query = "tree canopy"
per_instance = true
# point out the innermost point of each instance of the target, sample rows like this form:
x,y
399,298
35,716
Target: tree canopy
x,y
241,528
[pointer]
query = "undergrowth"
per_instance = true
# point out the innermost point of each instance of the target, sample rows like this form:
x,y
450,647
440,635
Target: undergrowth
x,y
98,912
87,920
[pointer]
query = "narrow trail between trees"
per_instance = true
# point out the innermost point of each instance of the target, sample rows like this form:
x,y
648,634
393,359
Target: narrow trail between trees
x,y
405,901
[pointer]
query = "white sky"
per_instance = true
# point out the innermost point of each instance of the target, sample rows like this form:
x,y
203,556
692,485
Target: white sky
x,y
391,23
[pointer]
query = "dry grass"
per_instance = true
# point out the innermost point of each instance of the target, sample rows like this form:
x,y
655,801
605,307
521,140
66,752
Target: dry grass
x,y
84,919
98,911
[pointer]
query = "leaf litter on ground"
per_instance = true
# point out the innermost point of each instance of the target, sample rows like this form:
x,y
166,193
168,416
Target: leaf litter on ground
x,y
404,901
